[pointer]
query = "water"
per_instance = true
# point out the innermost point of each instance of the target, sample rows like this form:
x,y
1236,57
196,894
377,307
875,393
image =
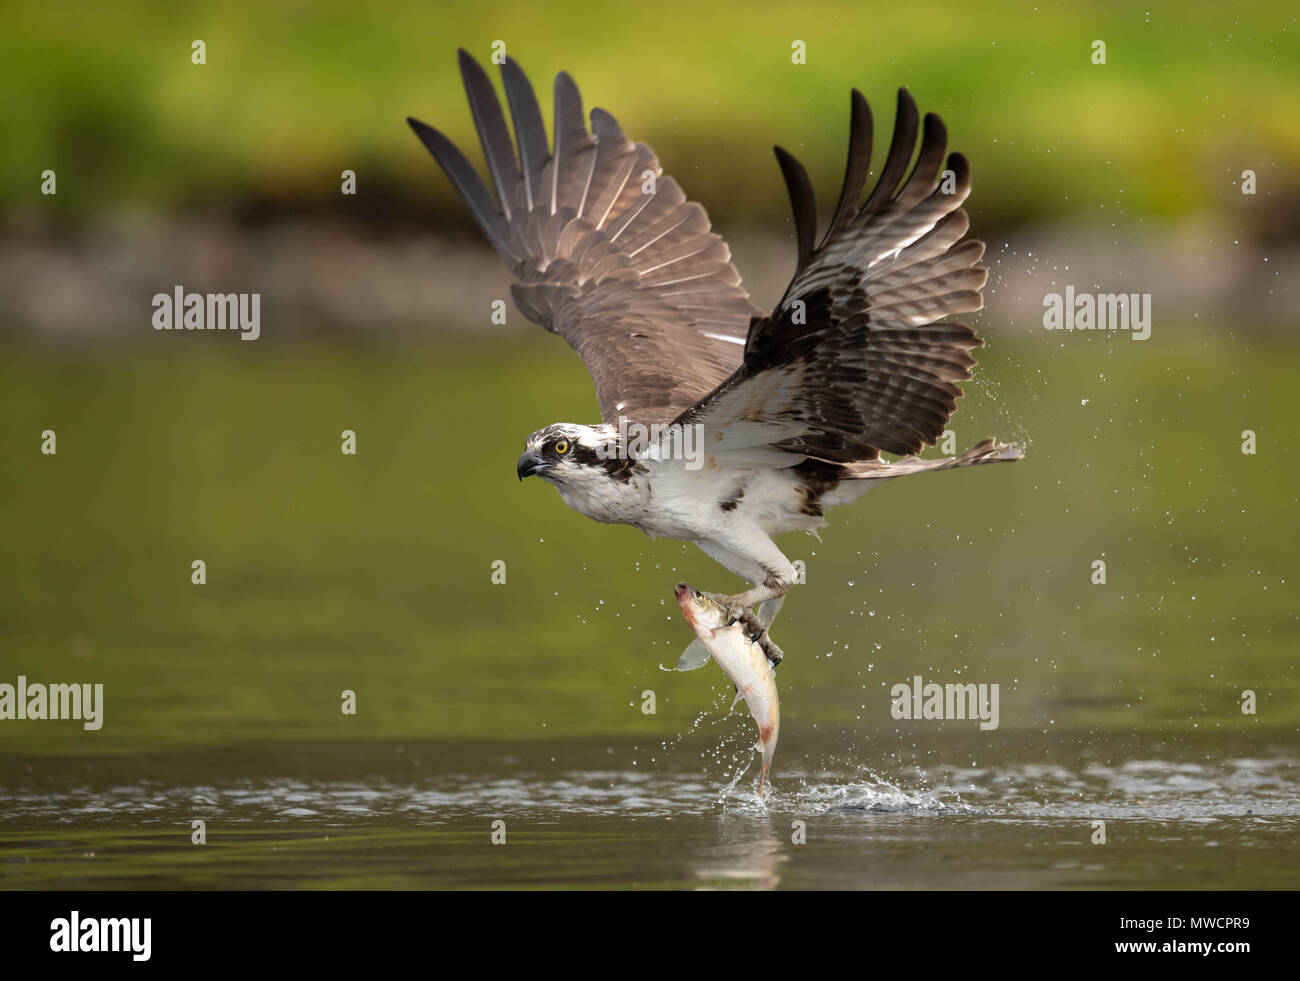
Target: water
x,y
1164,702
426,820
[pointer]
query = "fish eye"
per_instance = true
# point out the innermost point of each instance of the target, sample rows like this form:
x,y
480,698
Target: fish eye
x,y
562,447
698,594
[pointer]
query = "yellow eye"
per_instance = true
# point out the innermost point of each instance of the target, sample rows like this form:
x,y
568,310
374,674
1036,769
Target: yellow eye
x,y
562,447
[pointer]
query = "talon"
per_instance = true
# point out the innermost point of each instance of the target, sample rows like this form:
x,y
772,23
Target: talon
x,y
729,606
755,625
774,653
752,625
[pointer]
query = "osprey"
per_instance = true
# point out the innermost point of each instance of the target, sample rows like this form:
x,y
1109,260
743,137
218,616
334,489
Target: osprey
x,y
790,409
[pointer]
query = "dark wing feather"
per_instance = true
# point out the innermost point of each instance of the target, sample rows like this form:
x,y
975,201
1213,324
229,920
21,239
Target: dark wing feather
x,y
802,203
636,283
492,133
470,186
529,128
855,359
859,162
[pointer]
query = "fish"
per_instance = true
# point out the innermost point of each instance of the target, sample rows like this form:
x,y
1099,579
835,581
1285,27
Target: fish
x,y
741,660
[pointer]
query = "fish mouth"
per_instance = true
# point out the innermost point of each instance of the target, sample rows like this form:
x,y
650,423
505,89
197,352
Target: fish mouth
x,y
684,595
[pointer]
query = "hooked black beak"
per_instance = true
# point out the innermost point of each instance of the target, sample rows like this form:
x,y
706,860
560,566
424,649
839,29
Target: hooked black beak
x,y
531,463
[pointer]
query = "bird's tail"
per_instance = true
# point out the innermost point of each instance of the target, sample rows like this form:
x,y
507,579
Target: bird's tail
x,y
988,451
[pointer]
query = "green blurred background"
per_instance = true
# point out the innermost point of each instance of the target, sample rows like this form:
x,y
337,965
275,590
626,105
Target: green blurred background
x,y
294,92
372,572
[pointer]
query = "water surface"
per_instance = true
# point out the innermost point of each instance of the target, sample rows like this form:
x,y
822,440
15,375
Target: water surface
x,y
1164,702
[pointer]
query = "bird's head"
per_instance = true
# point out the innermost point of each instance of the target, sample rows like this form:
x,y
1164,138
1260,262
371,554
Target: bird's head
x,y
567,453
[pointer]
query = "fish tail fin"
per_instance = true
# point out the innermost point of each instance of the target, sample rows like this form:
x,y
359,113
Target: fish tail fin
x,y
766,746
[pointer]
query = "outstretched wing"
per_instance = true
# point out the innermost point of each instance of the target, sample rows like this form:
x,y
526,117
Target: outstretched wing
x,y
634,281
853,360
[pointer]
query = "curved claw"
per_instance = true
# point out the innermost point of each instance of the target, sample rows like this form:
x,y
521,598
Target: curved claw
x,y
774,653
730,606
754,625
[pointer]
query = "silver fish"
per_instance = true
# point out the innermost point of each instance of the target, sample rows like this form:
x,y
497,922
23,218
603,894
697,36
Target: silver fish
x,y
742,660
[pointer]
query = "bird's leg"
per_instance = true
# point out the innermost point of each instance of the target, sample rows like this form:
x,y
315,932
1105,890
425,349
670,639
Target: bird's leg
x,y
736,606
754,629
767,611
769,598
768,646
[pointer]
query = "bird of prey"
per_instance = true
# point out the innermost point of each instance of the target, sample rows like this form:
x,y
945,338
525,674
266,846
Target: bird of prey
x,y
794,406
